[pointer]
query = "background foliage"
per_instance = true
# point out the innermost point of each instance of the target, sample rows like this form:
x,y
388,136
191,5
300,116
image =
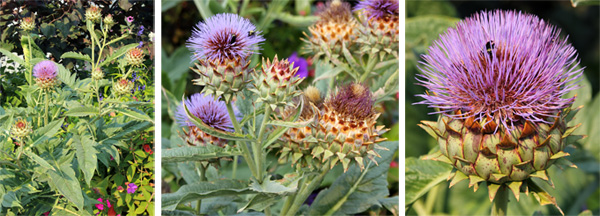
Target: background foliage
x,y
575,190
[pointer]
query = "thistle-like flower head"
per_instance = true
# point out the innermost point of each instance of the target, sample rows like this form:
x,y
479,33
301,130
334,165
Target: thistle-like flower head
x,y
500,67
379,9
353,101
45,70
224,36
27,24
93,14
45,73
210,111
20,129
135,56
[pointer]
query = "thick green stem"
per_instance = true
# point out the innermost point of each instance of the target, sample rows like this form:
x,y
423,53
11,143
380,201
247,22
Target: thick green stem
x,y
305,191
257,146
245,151
234,169
370,64
30,58
500,204
46,102
202,178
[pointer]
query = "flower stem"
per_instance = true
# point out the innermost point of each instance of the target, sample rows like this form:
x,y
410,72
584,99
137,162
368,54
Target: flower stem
x,y
257,146
202,178
500,204
245,151
305,190
235,164
46,108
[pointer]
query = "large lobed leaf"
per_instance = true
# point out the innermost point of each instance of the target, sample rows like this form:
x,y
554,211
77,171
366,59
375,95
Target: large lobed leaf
x,y
198,153
421,175
355,191
192,192
86,155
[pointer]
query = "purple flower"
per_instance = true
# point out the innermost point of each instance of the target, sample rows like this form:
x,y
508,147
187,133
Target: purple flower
x,y
379,8
141,31
129,19
506,65
224,36
141,44
213,113
45,70
131,187
301,63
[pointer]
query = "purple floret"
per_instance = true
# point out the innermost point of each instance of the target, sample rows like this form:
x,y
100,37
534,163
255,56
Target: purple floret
x,y
213,113
507,65
45,70
379,8
224,36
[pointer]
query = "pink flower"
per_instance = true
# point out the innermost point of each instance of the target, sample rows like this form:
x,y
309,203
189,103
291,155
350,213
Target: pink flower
x,y
120,189
101,205
129,19
108,204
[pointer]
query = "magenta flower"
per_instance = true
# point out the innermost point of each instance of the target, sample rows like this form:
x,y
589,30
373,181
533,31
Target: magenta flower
x,y
301,63
108,204
379,8
120,188
101,205
129,19
213,113
131,187
46,70
224,36
503,64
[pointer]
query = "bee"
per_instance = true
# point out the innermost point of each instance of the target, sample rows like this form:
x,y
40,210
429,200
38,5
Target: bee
x,y
233,38
251,33
489,46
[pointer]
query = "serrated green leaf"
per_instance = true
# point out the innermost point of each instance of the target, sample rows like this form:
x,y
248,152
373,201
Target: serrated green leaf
x,y
66,182
75,55
120,52
192,192
39,160
86,155
82,111
355,191
46,132
422,175
198,153
12,56
138,115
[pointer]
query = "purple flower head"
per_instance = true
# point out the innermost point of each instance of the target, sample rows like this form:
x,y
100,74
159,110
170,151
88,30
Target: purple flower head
x,y
131,187
301,63
140,45
501,66
141,31
379,8
45,70
224,36
213,113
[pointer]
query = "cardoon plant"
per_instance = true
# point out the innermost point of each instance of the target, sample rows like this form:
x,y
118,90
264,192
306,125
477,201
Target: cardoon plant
x,y
497,81
332,125
76,134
